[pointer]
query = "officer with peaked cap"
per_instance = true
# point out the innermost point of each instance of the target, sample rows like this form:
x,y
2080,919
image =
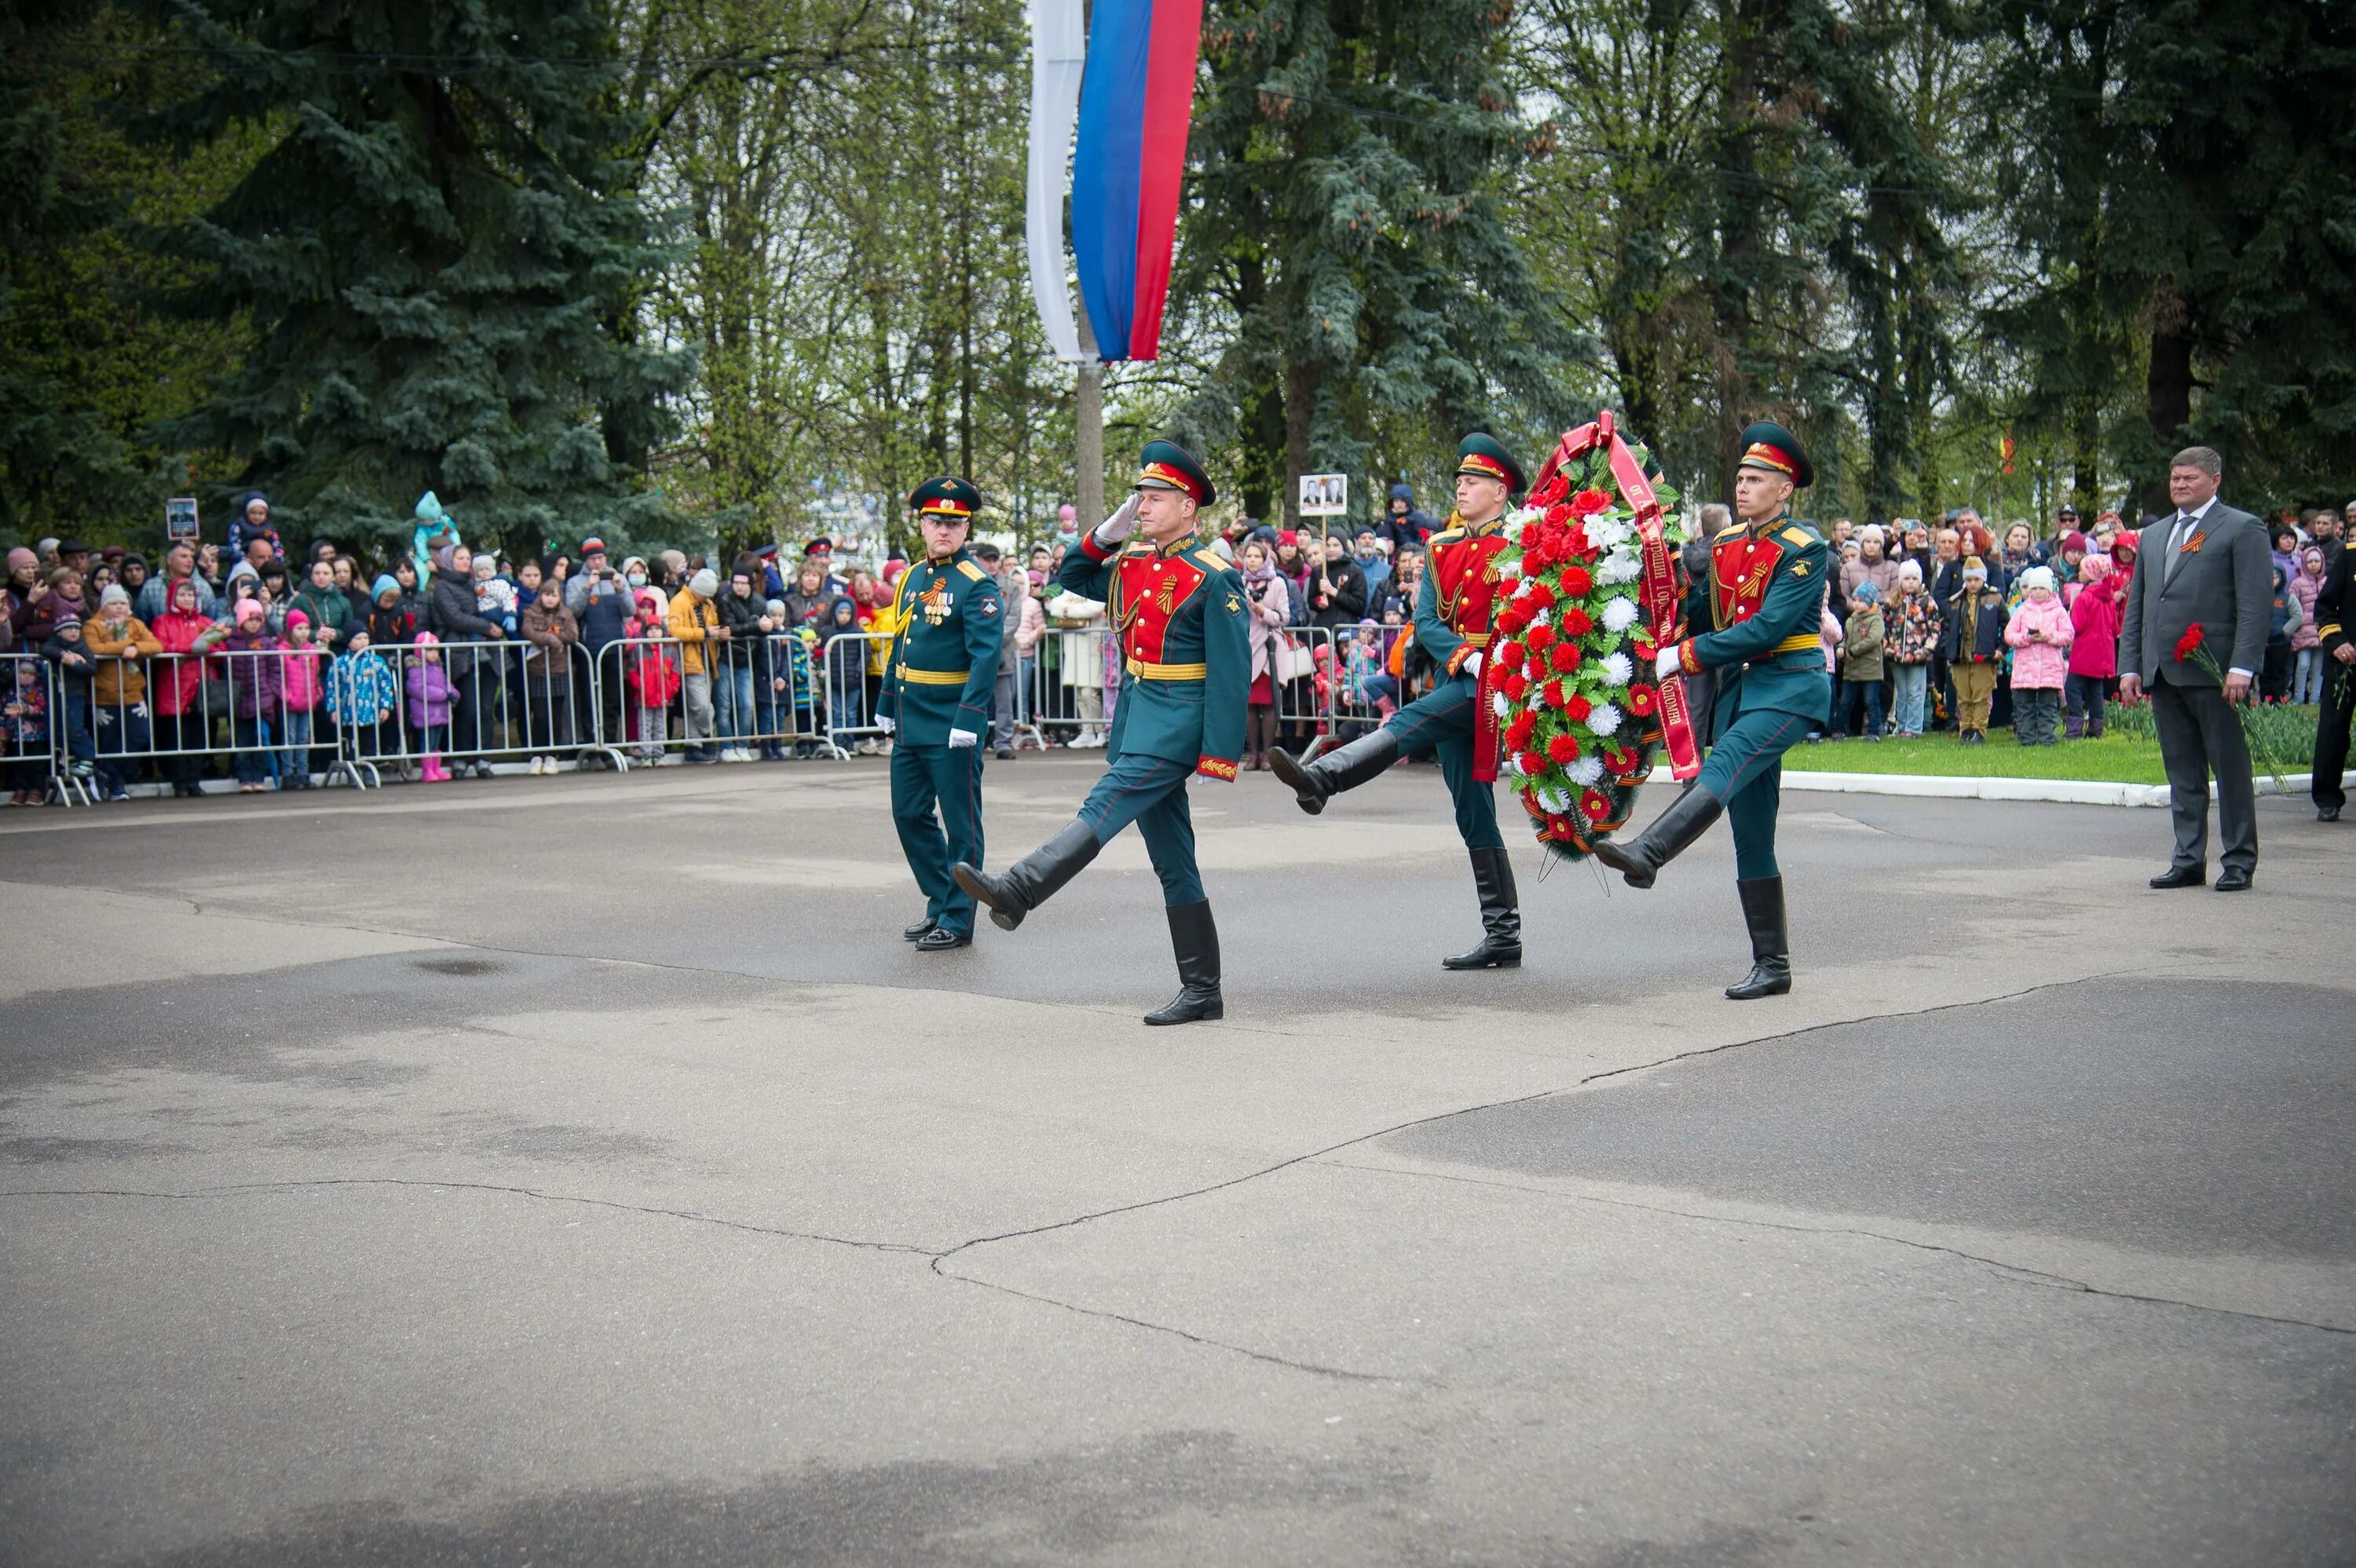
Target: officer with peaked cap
x,y
937,680
1452,613
1177,607
1766,597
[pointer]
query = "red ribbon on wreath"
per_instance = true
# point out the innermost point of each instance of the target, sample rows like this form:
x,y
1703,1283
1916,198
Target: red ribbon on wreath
x,y
1657,587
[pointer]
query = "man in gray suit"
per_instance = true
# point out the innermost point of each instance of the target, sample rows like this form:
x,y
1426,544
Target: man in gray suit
x,y
2206,565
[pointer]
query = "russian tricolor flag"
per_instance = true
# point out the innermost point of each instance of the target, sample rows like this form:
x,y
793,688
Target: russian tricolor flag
x,y
1137,98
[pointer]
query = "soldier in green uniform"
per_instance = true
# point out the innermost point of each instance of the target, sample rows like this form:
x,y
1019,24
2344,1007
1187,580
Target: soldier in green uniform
x,y
1179,610
936,704
1767,595
1454,613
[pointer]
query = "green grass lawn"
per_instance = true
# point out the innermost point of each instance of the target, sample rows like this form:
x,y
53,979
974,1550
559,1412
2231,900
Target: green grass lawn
x,y
2118,758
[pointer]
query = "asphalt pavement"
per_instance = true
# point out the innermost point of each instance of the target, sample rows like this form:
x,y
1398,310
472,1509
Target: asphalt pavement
x,y
582,1170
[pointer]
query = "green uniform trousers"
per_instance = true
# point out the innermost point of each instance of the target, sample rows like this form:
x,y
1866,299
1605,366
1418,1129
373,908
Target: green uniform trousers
x,y
1151,793
1444,720
1746,771
925,778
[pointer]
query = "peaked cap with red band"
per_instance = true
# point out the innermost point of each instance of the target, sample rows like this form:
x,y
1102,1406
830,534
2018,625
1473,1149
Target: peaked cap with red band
x,y
1485,457
1166,466
1770,447
947,497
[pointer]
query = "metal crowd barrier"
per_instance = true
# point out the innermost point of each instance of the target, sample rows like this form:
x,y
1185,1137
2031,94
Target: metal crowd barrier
x,y
1071,692
33,741
628,703
478,704
193,708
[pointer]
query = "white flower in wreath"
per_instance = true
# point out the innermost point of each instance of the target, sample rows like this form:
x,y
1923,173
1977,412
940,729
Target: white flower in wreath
x,y
1616,671
1621,566
1499,706
1603,718
1542,618
1553,798
1608,533
1585,772
1619,614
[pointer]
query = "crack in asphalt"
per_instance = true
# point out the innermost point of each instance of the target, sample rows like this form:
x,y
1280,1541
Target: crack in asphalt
x,y
690,1215
1609,1072
2019,1274
1342,1374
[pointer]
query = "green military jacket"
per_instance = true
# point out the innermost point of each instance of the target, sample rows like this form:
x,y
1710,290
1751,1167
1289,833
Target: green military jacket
x,y
1179,612
1766,599
944,659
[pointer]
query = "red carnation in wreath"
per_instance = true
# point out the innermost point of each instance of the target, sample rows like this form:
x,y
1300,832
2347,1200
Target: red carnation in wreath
x,y
1507,657
1515,687
1508,620
1643,700
1563,749
1532,764
1553,696
1538,595
1576,581
2190,643
1519,733
1621,761
1576,708
1595,804
1539,637
1587,503
1575,622
1563,658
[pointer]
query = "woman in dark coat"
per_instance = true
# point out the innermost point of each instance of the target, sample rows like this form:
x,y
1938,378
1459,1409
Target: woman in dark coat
x,y
450,615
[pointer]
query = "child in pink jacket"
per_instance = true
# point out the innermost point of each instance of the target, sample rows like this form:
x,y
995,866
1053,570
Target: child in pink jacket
x,y
2039,635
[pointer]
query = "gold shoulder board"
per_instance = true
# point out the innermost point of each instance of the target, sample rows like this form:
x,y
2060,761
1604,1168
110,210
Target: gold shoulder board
x,y
1799,535
1209,559
972,572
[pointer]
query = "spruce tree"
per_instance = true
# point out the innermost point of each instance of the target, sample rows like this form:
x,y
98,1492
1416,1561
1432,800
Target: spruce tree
x,y
439,255
1347,237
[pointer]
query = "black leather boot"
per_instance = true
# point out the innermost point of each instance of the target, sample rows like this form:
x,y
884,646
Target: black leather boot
x,y
1771,948
1027,883
921,930
1346,767
1671,835
1501,916
1196,942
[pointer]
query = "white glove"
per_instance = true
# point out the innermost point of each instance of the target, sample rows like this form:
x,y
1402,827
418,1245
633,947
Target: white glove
x,y
1667,663
962,740
884,721
1118,527
1472,665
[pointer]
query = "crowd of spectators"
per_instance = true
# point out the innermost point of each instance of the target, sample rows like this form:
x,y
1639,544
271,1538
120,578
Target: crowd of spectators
x,y
235,663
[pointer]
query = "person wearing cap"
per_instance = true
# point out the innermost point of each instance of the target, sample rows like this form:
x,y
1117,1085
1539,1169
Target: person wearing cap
x,y
822,549
935,704
1178,609
1767,579
1453,609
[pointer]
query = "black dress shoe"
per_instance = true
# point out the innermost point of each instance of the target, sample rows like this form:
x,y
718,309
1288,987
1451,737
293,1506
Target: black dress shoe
x,y
1005,754
2232,880
940,939
2327,813
2182,877
922,929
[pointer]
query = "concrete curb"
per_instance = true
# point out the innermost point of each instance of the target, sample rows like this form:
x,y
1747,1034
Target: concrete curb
x,y
1942,786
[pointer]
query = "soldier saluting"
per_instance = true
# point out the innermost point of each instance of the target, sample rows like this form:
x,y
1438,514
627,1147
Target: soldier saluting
x,y
1452,615
1178,608
1766,598
937,680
